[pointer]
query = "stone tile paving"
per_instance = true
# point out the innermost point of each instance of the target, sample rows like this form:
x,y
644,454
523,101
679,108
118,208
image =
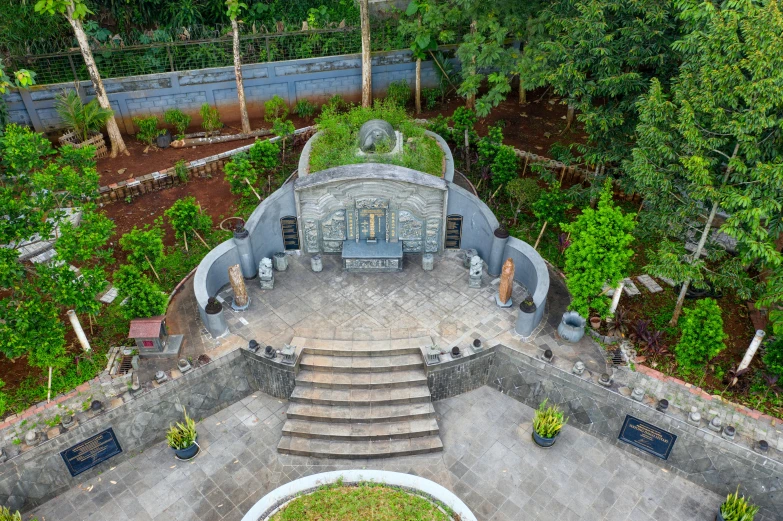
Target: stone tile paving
x,y
489,461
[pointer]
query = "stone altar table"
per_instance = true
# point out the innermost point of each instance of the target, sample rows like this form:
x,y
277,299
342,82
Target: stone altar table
x,y
379,256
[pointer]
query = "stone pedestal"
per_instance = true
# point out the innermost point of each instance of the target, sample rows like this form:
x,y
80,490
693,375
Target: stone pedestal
x,y
281,261
427,262
247,260
495,262
214,320
316,263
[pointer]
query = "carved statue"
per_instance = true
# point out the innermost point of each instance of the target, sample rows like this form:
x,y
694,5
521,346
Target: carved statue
x,y
375,131
506,283
266,275
476,266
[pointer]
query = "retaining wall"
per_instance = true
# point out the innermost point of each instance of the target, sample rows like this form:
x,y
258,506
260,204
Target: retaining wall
x,y
316,79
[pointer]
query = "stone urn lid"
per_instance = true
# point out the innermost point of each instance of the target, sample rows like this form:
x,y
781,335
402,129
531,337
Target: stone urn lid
x,y
501,233
213,307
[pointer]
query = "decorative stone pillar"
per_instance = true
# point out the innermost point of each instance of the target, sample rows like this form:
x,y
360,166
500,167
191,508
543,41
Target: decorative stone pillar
x,y
526,321
427,262
281,261
247,260
213,318
506,287
241,300
495,262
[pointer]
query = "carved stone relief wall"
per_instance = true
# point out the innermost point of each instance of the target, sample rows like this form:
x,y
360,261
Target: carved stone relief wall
x,y
334,212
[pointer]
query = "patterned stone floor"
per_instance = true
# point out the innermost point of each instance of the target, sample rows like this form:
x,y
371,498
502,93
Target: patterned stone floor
x,y
336,304
488,460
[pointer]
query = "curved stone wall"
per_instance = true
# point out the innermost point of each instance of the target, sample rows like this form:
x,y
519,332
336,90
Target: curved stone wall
x,y
529,270
478,221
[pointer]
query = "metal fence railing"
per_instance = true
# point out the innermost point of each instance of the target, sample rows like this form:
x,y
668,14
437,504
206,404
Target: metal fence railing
x,y
117,60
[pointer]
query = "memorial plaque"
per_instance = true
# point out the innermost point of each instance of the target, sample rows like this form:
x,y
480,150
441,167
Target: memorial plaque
x,y
92,451
290,233
453,232
647,437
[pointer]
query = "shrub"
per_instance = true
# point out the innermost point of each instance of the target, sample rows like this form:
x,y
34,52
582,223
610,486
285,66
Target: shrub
x,y
148,129
399,93
210,119
430,97
22,151
283,128
143,246
489,145
3,402
179,120
599,253
702,336
183,434
185,216
240,175
144,298
82,119
504,166
181,171
264,154
464,119
439,125
548,421
522,192
737,508
773,357
275,108
336,104
304,109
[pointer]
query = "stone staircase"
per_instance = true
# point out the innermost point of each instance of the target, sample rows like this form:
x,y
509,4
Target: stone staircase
x,y
360,399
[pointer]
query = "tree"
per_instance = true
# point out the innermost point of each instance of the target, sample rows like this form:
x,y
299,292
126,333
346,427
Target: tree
x,y
522,192
364,14
702,336
144,247
234,7
145,299
427,23
599,253
713,142
186,217
551,206
600,55
75,11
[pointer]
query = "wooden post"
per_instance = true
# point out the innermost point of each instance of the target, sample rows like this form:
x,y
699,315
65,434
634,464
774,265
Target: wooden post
x,y
364,13
535,246
251,187
238,285
418,85
49,388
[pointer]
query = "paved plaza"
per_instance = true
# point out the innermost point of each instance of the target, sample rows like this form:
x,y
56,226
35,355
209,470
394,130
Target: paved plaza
x,y
489,461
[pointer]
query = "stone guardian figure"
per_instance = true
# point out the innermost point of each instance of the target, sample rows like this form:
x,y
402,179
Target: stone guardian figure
x,y
503,297
266,276
476,267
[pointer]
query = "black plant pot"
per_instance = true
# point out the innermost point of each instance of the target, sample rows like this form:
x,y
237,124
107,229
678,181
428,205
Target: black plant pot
x,y
164,140
719,516
187,453
544,442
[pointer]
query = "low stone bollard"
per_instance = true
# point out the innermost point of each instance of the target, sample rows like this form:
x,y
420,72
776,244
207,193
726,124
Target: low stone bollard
x,y
427,262
281,261
316,263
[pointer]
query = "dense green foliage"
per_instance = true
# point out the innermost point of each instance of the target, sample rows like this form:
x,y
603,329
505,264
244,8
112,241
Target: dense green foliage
x,y
144,297
399,93
305,109
210,119
187,219
144,246
702,336
148,130
551,205
505,166
179,120
548,421
275,108
252,169
339,142
82,119
773,358
599,253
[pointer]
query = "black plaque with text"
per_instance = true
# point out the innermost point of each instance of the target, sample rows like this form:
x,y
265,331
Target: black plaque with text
x,y
453,232
647,437
290,233
92,451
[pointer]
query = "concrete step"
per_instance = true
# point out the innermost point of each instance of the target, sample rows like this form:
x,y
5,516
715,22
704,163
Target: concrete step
x,y
358,449
361,431
359,413
403,346
401,395
360,364
390,380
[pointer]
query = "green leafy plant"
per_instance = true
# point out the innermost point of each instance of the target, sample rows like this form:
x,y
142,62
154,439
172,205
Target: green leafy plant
x,y
186,218
179,120
82,119
210,119
183,434
702,336
241,175
505,166
3,401
522,192
489,145
8,515
275,108
773,357
551,207
399,93
737,508
430,97
548,421
144,297
144,247
304,108
264,154
148,129
181,171
599,253
336,104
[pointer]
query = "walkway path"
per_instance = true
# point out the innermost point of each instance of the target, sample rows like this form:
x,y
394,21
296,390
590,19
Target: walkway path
x,y
488,460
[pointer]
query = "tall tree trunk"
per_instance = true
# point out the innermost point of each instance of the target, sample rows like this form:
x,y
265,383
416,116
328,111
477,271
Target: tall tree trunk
x,y
238,74
364,9
522,93
569,118
471,101
117,144
418,85
700,246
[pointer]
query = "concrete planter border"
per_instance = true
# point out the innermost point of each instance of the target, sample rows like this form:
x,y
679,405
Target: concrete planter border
x,y
269,504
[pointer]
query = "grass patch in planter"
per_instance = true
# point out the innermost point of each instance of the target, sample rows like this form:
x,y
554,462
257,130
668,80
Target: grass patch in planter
x,y
338,143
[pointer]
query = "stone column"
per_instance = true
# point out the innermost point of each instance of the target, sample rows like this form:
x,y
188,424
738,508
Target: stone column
x,y
241,300
244,246
495,262
213,318
506,287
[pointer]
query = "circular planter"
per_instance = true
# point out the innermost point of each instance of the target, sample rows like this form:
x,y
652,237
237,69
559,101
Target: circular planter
x,y
719,516
544,442
572,327
187,453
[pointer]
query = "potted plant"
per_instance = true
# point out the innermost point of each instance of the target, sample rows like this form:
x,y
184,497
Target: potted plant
x,y
547,424
183,437
595,322
84,122
736,508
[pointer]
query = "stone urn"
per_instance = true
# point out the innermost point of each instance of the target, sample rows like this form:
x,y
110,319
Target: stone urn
x,y
281,261
572,327
316,263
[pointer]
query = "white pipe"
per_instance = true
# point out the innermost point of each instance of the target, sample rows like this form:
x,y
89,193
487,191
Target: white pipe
x,y
77,327
751,352
616,298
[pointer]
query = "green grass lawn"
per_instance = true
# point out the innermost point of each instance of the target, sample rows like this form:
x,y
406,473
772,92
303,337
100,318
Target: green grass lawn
x,y
363,502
